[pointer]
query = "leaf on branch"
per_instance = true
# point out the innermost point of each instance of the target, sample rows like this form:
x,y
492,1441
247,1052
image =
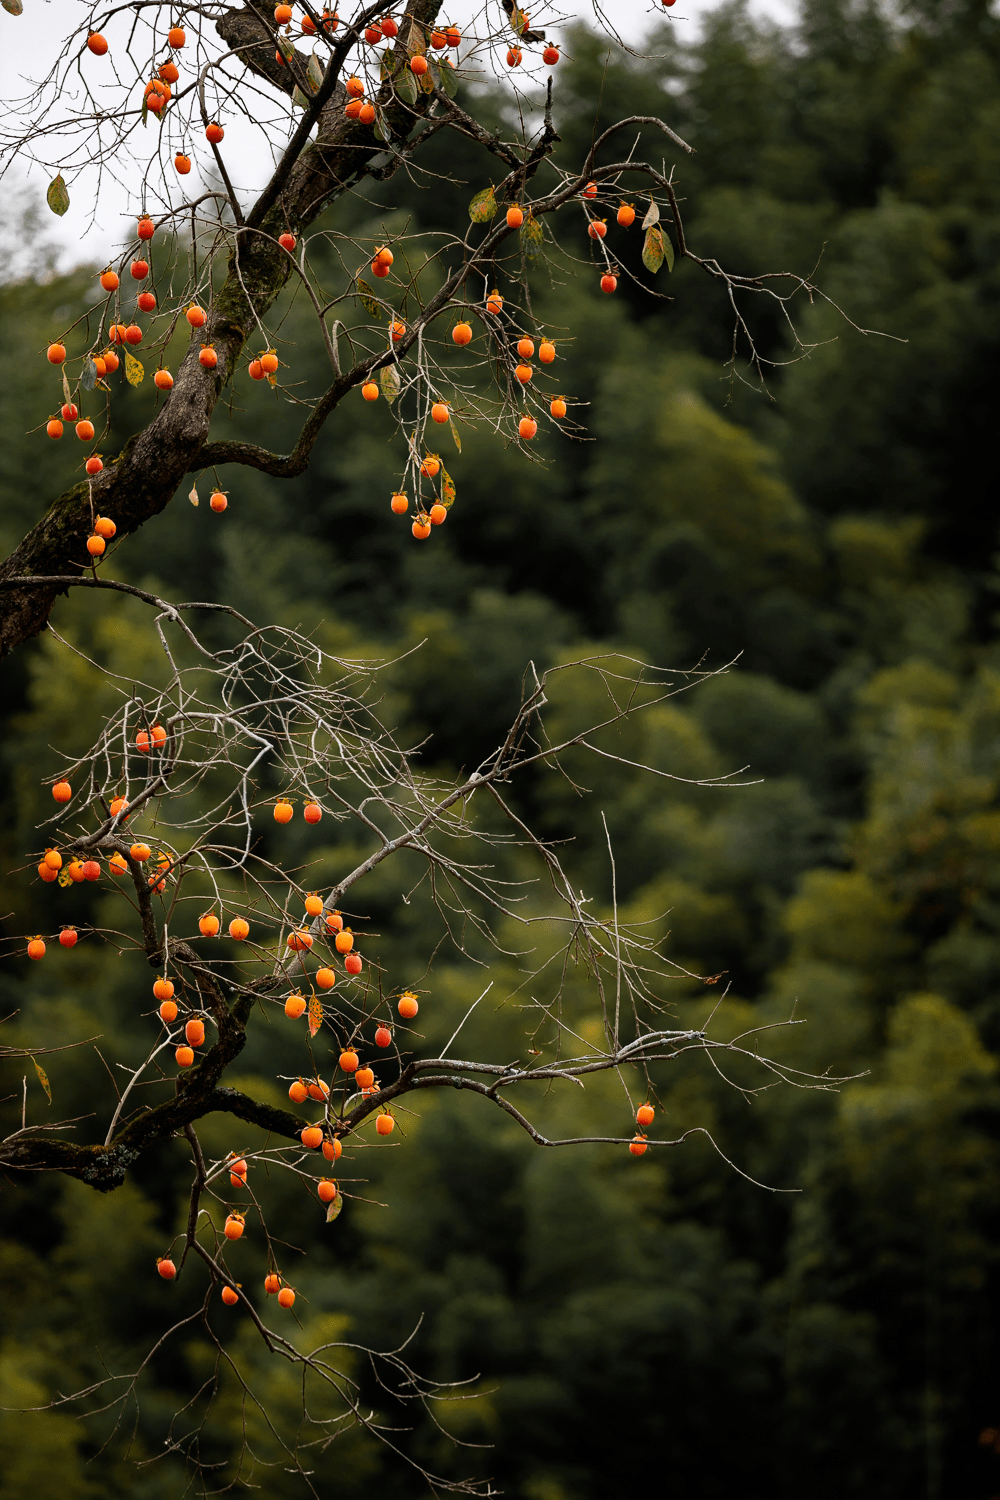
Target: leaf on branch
x,y
449,79
454,433
406,86
64,877
652,215
315,1014
668,249
427,81
386,64
519,20
389,381
299,99
88,375
483,206
416,41
12,7
57,196
368,302
66,395
314,71
334,1208
532,237
43,1079
134,372
653,252
447,489
193,496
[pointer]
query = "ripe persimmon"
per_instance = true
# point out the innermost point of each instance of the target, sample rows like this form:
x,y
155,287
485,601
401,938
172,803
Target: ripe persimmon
x,y
170,73
348,1060
408,1005
105,527
397,331
56,353
117,805
344,940
218,502
234,1226
385,1124
297,1092
370,390
208,925
608,282
515,216
514,56
294,1007
287,241
75,870
196,316
625,214
452,35
62,791
184,1057
282,15
389,27
109,280
97,44
526,428
524,373
163,989
355,87
399,503
437,514
494,303
110,361
140,853
133,334
550,56
269,362
300,941
68,937
597,229
94,464
319,1091
116,333
54,427
214,132
283,810
332,1149
418,65
118,865
46,873
439,412
272,1283
590,191
637,1145
326,1189
313,904
69,412
194,1032
256,370
462,333
182,164
312,1137
168,1011
239,929
644,1114
325,978
334,921
166,1267
352,963
557,407
366,114
546,351
430,466
163,380
91,869
208,357
145,228
139,270
364,1078
525,348
96,545
230,1295
312,812
438,41
36,948
176,38
146,302
286,1297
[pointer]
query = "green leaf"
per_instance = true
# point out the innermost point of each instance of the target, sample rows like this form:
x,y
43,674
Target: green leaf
x,y
406,86
368,299
134,372
532,237
455,436
57,197
88,375
386,63
483,206
389,381
652,215
519,21
653,252
668,249
449,79
314,71
299,99
13,8
43,1079
447,489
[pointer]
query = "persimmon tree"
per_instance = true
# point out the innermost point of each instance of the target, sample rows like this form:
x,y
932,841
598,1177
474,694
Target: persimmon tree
x,y
169,803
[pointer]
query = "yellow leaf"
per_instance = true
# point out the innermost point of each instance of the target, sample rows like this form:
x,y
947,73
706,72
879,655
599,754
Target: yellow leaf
x,y
64,877
193,497
447,489
455,436
134,372
315,1014
334,1209
43,1079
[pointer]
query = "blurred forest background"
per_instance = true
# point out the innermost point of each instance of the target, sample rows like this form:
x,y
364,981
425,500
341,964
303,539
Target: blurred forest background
x,y
627,1321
